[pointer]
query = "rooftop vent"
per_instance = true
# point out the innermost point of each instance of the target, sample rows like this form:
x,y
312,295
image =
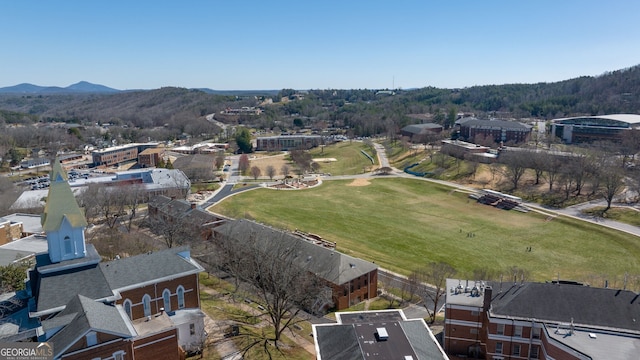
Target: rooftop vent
x,y
381,334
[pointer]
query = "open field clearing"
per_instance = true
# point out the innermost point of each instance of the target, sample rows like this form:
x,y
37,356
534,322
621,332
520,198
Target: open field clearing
x,y
349,159
344,158
402,224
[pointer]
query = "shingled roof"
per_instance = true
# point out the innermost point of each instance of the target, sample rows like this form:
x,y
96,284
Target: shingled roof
x,y
61,203
329,264
82,315
552,302
139,270
57,290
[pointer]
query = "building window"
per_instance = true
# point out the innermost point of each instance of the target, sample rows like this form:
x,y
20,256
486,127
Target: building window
x,y
192,329
180,293
500,329
127,308
475,313
499,347
516,350
166,297
118,355
68,249
518,331
92,338
536,333
534,352
146,305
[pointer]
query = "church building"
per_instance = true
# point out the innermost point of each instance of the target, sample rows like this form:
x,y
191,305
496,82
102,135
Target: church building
x,y
140,307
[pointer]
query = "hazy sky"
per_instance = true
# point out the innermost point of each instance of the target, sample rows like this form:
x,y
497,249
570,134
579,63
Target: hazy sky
x,y
236,44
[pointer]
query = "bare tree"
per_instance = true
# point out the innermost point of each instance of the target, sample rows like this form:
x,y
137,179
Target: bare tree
x,y
271,171
243,163
387,285
552,167
515,166
286,170
435,274
275,267
103,204
255,172
135,195
219,160
612,181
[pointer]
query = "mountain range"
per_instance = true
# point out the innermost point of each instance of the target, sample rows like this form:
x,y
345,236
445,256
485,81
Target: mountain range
x,y
84,87
80,87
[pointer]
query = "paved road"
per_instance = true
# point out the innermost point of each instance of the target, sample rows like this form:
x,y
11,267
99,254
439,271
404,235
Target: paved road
x,y
397,281
572,211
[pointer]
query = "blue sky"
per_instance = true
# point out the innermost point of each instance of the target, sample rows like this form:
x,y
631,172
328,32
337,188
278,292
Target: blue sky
x,y
242,45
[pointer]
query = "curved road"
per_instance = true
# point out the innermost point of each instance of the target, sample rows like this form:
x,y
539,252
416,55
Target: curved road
x,y
574,211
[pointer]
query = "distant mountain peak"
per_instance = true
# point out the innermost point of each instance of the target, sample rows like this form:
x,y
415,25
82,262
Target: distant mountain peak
x,y
85,86
79,87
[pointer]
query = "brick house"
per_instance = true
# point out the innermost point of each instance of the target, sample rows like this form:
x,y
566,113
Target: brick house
x,y
127,308
150,157
555,320
350,279
499,130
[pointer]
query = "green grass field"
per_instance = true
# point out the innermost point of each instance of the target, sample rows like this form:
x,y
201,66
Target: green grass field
x,y
349,158
402,224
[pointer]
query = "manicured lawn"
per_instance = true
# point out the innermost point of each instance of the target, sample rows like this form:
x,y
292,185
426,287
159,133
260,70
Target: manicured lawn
x,y
349,158
401,224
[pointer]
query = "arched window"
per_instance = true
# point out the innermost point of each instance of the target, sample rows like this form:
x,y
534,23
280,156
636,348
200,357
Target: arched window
x,y
127,308
166,297
68,249
146,304
180,293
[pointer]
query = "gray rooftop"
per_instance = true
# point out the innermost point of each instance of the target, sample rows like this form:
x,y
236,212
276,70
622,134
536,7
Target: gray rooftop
x,y
493,124
153,266
357,338
83,315
58,289
596,345
30,222
22,248
329,264
421,128
549,302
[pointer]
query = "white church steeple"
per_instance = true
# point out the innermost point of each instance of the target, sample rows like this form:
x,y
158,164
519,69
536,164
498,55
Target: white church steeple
x,y
63,221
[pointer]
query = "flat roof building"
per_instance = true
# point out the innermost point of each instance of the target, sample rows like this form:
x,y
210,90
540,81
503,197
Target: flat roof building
x,y
383,334
594,128
552,320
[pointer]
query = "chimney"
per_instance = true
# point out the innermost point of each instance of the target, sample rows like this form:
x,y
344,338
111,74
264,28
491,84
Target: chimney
x,y
486,302
193,206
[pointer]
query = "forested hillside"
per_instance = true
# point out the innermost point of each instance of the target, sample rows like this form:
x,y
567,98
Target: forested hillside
x,y
365,112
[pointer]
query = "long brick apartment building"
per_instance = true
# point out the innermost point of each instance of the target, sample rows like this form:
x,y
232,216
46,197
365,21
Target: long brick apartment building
x,y
527,320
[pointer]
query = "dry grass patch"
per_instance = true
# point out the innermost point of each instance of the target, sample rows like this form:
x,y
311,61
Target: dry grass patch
x,y
359,182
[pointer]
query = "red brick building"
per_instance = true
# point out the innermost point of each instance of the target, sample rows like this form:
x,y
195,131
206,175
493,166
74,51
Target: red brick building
x,y
471,129
557,320
130,308
350,279
150,157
